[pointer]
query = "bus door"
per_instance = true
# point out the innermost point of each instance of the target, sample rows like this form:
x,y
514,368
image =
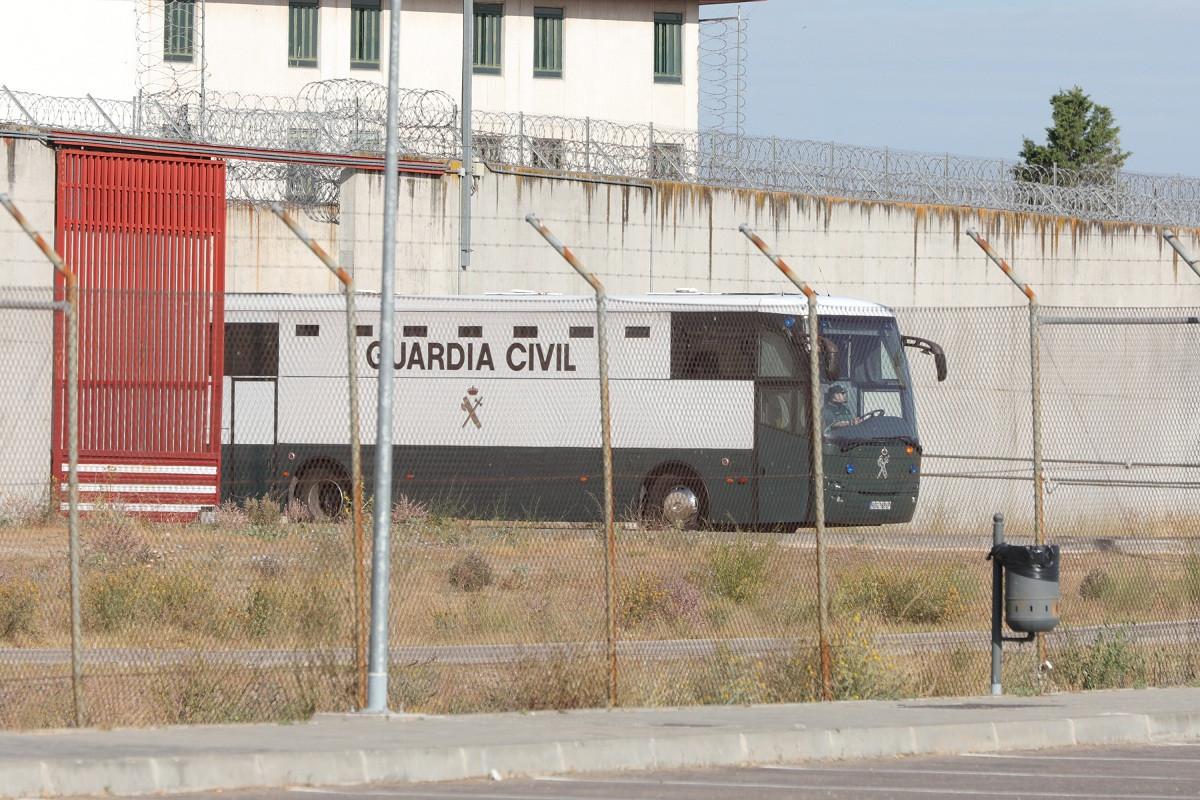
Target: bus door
x,y
252,434
252,372
783,450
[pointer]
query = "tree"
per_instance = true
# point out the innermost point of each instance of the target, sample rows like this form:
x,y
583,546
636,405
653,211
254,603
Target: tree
x,y
1083,141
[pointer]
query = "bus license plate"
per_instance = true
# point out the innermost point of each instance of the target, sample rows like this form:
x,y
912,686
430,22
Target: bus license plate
x,y
881,505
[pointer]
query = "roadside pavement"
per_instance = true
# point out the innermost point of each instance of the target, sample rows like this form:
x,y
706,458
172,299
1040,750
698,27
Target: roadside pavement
x,y
346,749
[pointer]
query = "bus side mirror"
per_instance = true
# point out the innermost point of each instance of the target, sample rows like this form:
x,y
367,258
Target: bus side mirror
x,y
929,348
830,360
827,352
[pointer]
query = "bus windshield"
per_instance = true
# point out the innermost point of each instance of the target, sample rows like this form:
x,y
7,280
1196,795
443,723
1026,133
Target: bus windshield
x,y
871,402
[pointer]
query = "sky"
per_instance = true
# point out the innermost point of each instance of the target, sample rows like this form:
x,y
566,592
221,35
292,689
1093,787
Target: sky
x,y
973,77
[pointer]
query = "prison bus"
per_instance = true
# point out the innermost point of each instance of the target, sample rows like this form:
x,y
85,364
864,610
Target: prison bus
x,y
496,406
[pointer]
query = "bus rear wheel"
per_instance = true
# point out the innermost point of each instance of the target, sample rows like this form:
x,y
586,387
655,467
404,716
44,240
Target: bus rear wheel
x,y
675,501
323,492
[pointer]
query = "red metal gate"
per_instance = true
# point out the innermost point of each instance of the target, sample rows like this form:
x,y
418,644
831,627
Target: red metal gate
x,y
146,237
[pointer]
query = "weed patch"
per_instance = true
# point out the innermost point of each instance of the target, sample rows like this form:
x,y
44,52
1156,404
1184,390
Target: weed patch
x,y
737,571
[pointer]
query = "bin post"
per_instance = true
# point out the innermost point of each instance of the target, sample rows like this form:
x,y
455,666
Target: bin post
x,y
997,605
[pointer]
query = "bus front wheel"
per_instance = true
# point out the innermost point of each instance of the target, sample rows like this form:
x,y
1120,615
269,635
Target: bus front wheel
x,y
675,501
323,493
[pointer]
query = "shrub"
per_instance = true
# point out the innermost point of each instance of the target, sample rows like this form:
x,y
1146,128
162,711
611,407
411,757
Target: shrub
x,y
1109,662
116,540
471,572
231,515
263,512
297,511
18,606
1191,577
1095,584
407,510
115,599
908,596
644,597
738,571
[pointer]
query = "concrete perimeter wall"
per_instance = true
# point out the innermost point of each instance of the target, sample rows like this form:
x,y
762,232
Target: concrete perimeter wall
x,y
659,237
643,237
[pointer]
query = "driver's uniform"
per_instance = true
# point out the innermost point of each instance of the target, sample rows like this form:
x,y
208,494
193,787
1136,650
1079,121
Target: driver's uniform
x,y
836,412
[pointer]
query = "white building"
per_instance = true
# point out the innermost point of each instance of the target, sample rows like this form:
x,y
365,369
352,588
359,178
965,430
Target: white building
x,y
618,60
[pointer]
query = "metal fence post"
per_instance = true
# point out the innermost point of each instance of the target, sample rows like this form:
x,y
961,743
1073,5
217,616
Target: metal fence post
x,y
356,511
818,458
72,312
610,564
377,669
1183,253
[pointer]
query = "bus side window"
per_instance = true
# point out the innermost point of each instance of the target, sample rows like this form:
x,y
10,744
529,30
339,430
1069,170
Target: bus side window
x,y
702,366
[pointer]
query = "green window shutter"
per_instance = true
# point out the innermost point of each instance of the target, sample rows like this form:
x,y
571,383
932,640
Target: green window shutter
x,y
178,29
489,18
547,42
668,48
302,33
364,34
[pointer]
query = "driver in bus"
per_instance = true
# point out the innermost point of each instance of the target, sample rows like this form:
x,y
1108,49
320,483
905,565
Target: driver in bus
x,y
837,412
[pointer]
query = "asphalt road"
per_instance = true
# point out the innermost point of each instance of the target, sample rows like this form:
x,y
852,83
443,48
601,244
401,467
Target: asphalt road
x,y
1141,772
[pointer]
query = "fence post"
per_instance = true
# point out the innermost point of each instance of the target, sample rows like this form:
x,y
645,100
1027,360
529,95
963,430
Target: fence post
x,y
1183,253
72,311
610,564
818,457
356,510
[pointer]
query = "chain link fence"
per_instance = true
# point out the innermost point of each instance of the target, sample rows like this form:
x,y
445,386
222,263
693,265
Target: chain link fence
x,y
341,117
243,609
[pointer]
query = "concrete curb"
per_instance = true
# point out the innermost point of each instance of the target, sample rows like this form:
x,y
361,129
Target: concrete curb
x,y
206,771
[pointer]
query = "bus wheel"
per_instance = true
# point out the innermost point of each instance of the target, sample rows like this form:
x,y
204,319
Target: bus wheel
x,y
675,501
323,492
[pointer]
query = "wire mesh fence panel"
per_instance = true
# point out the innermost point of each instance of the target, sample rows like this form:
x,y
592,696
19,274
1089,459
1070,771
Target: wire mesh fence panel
x,y
1122,470
500,583
35,690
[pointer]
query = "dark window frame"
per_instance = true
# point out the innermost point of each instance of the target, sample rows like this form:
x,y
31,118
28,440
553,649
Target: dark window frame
x,y
179,30
487,57
668,47
365,33
304,32
547,42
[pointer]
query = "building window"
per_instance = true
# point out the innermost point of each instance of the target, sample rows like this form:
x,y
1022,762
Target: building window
x,y
666,161
488,147
548,153
668,48
364,34
302,33
488,35
547,42
179,25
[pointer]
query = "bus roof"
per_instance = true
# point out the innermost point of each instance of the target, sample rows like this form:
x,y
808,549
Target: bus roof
x,y
508,301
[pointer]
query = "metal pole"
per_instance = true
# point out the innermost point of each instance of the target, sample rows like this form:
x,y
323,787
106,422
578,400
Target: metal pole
x,y
465,175
377,673
997,605
1174,242
1035,380
72,313
356,508
818,457
610,564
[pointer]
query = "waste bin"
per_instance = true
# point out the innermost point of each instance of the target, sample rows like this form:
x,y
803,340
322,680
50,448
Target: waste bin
x,y
1030,585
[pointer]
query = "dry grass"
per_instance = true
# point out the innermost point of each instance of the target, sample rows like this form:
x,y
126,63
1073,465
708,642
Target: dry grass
x,y
265,583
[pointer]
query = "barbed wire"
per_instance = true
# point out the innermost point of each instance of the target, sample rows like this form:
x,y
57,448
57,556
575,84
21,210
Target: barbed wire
x,y
723,74
349,116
